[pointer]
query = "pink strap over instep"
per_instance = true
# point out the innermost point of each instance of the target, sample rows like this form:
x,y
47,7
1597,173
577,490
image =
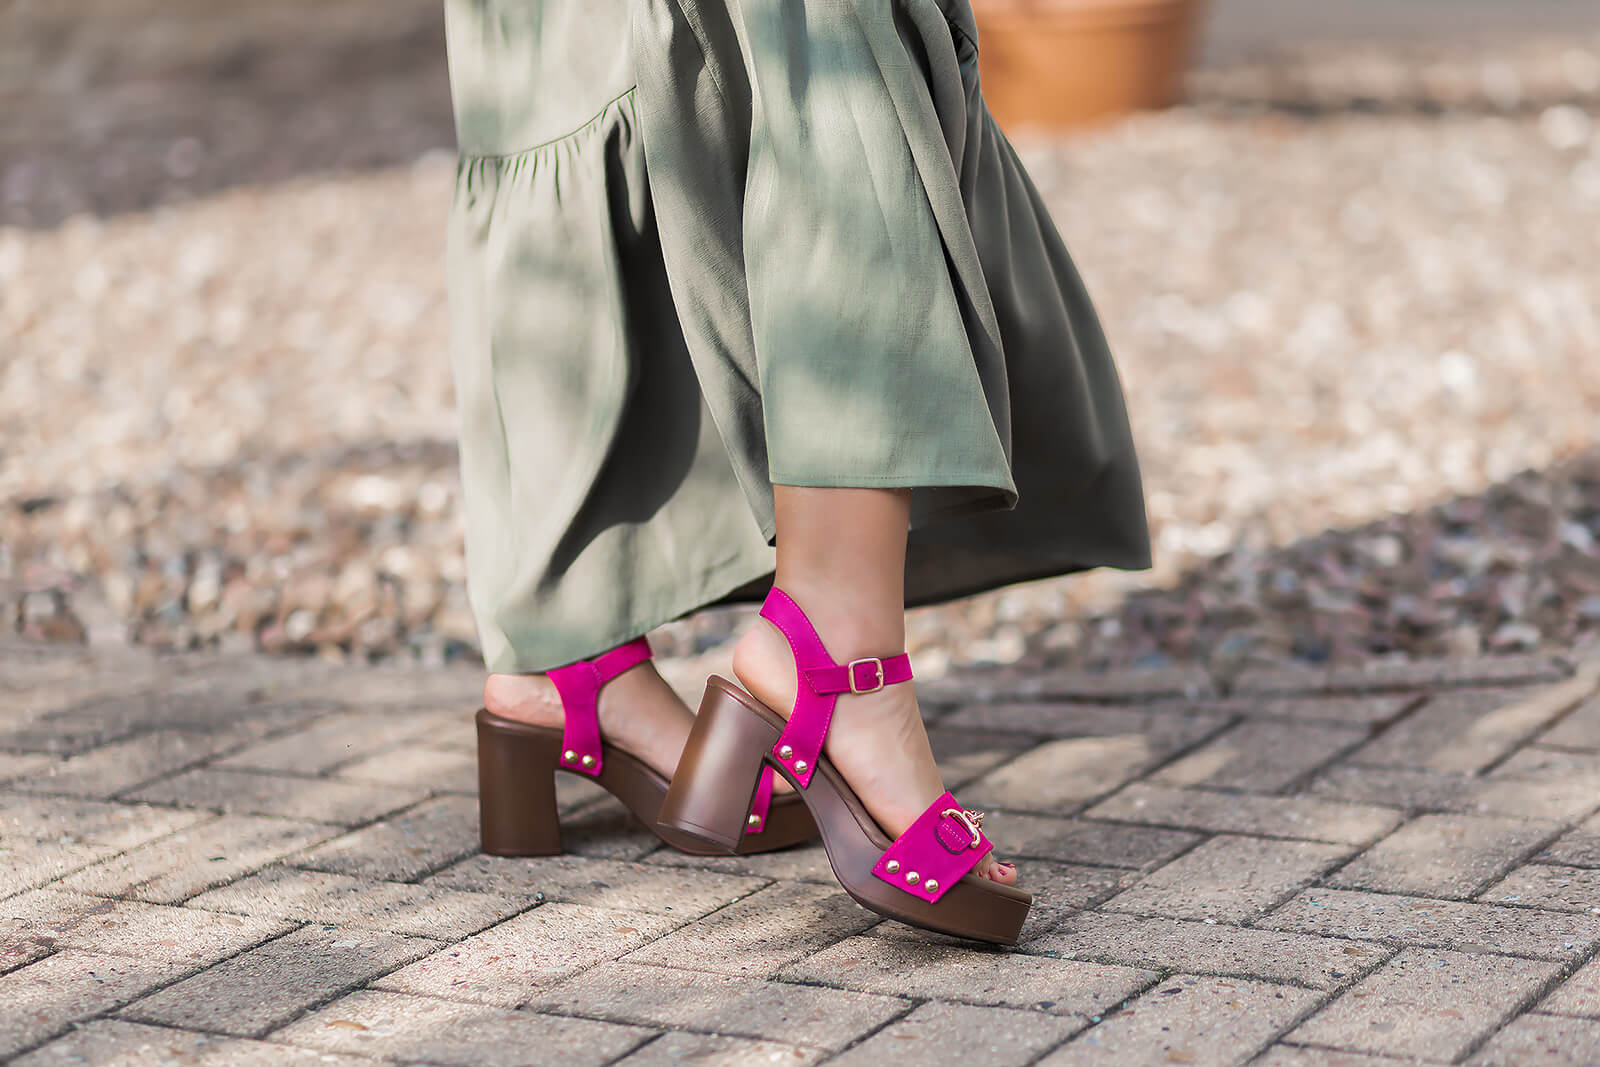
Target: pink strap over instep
x,y
943,844
820,683
579,685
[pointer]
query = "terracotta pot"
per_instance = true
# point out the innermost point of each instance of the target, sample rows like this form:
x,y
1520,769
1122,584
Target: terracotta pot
x,y
1056,63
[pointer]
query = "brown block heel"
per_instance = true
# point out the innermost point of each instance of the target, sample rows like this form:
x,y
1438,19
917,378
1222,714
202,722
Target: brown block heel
x,y
517,765
711,793
517,788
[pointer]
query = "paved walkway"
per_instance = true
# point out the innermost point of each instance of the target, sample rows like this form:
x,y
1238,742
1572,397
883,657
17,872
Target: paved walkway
x,y
250,861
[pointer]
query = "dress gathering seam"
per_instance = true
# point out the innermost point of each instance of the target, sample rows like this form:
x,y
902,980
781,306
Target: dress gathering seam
x,y
517,153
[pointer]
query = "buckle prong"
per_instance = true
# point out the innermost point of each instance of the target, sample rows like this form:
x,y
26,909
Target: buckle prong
x,y
850,669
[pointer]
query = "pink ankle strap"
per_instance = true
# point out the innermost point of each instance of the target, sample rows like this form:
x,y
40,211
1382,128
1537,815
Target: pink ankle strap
x,y
824,680
579,685
935,852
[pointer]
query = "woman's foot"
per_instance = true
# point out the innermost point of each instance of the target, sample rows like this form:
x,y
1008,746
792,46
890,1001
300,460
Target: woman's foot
x,y
639,712
876,740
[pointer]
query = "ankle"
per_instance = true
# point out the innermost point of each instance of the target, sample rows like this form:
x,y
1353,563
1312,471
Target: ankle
x,y
852,622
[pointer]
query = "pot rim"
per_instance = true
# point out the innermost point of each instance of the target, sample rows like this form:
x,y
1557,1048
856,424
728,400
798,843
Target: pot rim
x,y
1083,12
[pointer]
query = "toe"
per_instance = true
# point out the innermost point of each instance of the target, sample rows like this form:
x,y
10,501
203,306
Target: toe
x,y
995,871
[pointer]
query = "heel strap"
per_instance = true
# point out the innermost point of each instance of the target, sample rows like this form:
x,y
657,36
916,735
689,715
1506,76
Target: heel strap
x,y
820,682
579,686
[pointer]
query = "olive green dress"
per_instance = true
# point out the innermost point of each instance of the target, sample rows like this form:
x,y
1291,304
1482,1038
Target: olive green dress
x,y
699,247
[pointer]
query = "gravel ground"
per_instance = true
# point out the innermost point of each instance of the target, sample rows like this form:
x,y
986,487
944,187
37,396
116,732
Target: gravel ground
x,y
115,105
1353,299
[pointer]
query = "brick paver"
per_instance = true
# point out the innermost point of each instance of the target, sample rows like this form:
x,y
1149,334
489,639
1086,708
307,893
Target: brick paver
x,y
1194,1019
267,986
1285,1055
510,963
118,1043
16,954
405,845
1229,878
1261,757
954,1035
1377,676
448,770
674,1048
1063,774
1343,868
329,742
196,858
398,1026
1438,923
949,972
601,883
1579,729
804,863
41,1000
1563,796
966,754
1081,841
286,796
1174,944
1542,1041
1579,847
1430,1003
123,765
1546,886
723,1003
131,927
1444,855
31,864
762,933
335,899
15,765
1368,709
1465,732
1578,995
1242,813
65,820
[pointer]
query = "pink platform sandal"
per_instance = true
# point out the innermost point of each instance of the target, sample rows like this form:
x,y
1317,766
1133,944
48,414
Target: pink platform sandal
x,y
923,877
517,764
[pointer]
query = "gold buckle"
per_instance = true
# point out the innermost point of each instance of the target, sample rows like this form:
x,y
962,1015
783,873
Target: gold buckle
x,y
850,670
972,820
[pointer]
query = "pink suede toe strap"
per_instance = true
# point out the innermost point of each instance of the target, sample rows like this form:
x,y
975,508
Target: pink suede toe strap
x,y
944,844
579,686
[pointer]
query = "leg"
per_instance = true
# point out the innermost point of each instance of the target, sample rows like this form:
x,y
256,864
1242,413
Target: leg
x,y
841,555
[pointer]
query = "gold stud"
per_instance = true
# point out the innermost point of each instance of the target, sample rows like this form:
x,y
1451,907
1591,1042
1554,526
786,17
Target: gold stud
x,y
588,761
785,752
931,886
892,866
754,820
800,766
912,877
570,756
